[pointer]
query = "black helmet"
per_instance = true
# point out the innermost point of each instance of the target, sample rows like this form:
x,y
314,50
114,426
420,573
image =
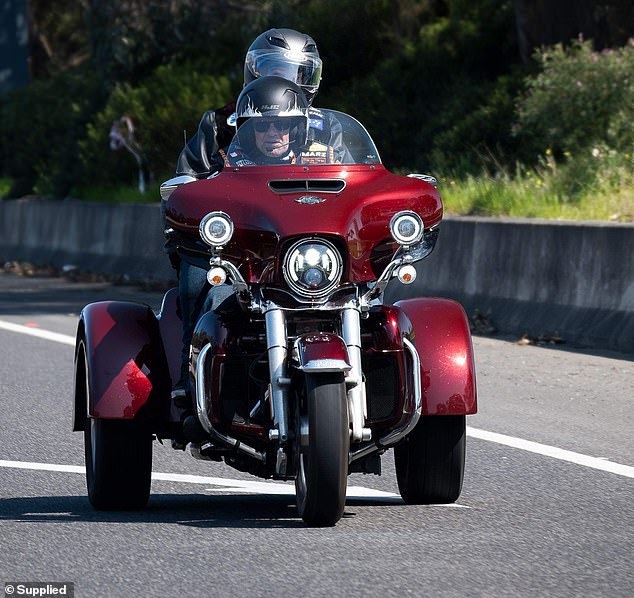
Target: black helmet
x,y
288,54
272,98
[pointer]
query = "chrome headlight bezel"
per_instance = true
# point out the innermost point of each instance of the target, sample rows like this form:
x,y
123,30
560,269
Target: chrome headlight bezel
x,y
327,262
214,238
412,219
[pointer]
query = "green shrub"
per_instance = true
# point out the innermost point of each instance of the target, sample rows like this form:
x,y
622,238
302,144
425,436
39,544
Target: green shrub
x,y
40,126
580,100
162,107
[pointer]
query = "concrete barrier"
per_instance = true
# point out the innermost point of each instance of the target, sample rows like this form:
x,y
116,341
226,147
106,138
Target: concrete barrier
x,y
124,240
574,281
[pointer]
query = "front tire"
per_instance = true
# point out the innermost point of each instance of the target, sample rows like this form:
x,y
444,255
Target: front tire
x,y
430,462
322,474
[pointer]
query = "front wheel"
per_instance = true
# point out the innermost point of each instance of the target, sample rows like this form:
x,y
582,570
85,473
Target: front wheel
x,y
118,464
322,474
430,461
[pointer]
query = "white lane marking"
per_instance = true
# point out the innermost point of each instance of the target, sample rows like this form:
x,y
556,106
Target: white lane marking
x,y
228,485
526,445
552,451
43,466
45,334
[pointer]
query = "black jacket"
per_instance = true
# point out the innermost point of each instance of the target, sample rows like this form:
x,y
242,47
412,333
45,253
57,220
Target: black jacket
x,y
199,157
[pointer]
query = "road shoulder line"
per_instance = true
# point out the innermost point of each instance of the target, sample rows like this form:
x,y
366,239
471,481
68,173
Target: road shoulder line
x,y
552,451
65,339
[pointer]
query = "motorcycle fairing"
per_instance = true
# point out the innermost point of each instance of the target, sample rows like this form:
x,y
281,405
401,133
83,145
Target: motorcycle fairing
x,y
126,367
357,215
442,338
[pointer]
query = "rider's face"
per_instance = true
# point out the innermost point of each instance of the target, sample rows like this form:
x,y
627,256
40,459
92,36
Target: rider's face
x,y
272,137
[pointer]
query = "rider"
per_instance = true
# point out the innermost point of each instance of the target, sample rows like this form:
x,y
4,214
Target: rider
x,y
277,114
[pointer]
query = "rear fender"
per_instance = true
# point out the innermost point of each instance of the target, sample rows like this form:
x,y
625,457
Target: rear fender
x,y
321,352
120,366
442,339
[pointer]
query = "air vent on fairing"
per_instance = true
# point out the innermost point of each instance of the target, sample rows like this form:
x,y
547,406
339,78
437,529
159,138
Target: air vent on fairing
x,y
303,185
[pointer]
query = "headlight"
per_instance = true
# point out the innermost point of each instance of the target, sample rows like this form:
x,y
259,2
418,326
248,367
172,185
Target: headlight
x,y
407,228
216,229
313,268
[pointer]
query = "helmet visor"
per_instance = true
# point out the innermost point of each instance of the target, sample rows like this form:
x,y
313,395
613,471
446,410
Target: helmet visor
x,y
303,70
268,138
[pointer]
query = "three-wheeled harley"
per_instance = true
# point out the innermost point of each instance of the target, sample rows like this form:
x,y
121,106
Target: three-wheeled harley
x,y
312,376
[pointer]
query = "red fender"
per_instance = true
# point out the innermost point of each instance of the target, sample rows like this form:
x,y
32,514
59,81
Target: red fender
x,y
443,341
127,373
321,352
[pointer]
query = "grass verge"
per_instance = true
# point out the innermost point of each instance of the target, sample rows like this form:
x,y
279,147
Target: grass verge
x,y
570,191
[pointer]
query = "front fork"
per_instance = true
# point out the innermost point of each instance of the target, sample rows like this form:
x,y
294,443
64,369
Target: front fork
x,y
357,409
277,348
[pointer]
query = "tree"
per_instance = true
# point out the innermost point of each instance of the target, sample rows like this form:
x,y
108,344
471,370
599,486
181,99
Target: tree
x,y
547,22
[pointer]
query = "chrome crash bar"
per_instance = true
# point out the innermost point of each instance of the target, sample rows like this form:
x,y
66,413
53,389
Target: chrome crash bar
x,y
201,410
412,411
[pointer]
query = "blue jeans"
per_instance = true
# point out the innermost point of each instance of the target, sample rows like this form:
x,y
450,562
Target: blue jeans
x,y
196,298
192,289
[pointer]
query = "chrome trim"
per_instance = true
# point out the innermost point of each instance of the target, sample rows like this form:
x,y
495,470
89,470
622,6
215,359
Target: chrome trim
x,y
357,409
344,296
415,403
277,350
428,178
204,418
325,365
413,407
383,280
168,187
310,200
255,410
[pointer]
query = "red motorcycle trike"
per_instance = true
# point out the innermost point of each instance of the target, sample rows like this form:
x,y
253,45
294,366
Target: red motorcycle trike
x,y
312,377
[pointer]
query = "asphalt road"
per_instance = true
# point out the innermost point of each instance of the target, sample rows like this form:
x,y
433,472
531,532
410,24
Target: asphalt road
x,y
547,507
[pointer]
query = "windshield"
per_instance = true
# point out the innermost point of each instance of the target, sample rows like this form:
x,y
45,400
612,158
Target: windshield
x,y
331,137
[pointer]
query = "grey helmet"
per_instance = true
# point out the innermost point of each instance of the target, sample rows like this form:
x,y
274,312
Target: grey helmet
x,y
288,54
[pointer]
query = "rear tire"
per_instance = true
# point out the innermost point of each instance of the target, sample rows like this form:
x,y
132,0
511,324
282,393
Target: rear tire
x,y
430,462
322,475
118,453
118,464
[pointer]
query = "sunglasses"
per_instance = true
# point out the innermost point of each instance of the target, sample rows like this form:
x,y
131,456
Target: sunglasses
x,y
263,126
